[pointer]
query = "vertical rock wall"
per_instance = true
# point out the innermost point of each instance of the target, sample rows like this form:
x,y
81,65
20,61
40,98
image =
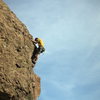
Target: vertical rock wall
x,y
17,79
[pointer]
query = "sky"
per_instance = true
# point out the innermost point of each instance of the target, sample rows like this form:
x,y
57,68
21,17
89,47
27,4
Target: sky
x,y
70,67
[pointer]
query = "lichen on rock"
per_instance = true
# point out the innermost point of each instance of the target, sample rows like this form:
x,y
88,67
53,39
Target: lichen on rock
x,y
17,78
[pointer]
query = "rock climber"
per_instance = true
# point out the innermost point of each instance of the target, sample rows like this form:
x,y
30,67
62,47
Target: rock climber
x,y
39,48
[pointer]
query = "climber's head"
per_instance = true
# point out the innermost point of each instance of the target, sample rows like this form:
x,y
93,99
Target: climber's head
x,y
36,39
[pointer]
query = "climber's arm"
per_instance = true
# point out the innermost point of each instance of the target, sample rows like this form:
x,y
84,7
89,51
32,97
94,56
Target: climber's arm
x,y
34,42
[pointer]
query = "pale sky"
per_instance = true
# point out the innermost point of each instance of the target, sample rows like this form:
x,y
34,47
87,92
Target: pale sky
x,y
70,67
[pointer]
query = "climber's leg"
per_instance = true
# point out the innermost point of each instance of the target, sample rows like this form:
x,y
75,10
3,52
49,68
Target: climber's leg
x,y
35,59
40,49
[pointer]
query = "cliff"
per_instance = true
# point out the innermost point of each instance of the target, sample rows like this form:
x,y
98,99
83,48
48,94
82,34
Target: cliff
x,y
17,78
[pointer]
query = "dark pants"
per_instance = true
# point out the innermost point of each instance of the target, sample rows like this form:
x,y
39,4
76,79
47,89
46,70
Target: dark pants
x,y
40,50
36,52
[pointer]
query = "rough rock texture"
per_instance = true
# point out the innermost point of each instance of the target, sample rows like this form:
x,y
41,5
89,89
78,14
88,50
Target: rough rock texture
x,y
17,79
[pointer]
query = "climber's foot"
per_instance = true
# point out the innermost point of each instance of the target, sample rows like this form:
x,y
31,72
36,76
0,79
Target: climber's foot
x,y
34,62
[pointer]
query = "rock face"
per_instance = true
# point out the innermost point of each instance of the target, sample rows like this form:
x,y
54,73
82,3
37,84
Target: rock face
x,y
17,79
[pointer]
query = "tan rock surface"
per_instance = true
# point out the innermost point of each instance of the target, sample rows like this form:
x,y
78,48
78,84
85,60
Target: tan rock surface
x,y
17,79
